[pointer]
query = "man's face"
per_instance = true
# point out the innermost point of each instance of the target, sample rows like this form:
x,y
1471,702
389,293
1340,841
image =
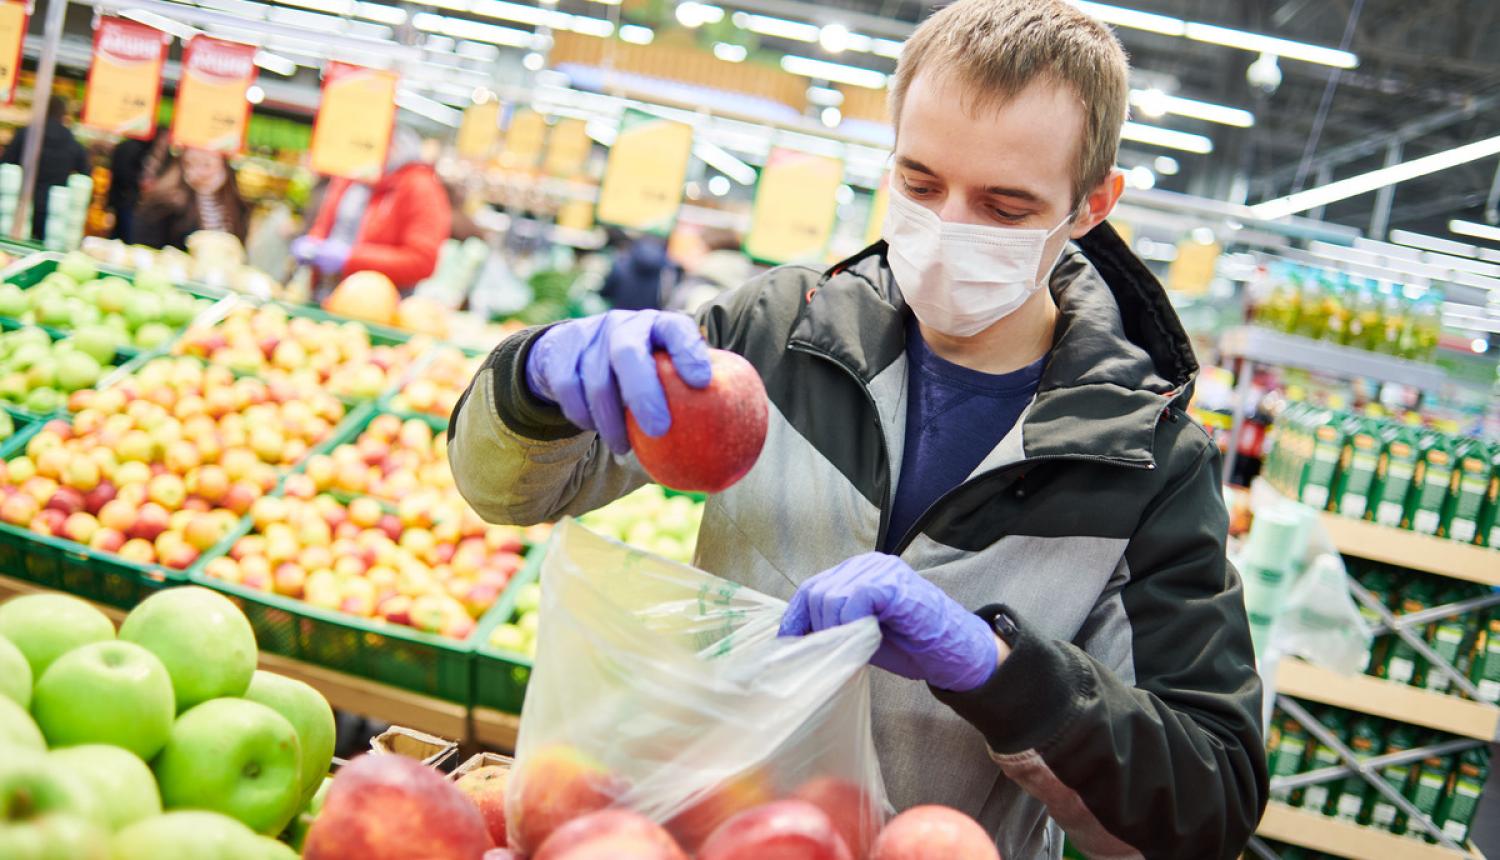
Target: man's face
x,y
1005,165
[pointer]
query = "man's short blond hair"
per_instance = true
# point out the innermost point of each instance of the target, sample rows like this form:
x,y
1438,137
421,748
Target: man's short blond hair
x,y
996,48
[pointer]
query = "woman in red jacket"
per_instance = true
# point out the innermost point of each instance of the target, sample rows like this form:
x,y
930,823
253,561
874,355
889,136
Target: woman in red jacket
x,y
395,227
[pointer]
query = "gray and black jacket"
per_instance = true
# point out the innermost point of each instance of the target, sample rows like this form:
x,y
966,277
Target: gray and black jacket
x,y
1127,712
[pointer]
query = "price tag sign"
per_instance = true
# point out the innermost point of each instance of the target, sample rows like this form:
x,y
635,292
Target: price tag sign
x,y
352,133
1193,270
642,187
124,84
879,204
212,112
795,203
479,131
568,148
12,37
524,140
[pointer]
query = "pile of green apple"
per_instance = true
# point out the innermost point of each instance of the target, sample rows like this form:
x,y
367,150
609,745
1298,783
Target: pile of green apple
x,y
160,741
144,314
519,634
38,374
651,520
271,343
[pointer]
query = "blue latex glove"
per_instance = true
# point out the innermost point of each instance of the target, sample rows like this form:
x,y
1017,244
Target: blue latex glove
x,y
305,248
330,257
926,635
597,367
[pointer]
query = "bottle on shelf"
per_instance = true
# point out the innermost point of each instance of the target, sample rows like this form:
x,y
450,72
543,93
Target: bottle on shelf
x,y
1357,467
1353,802
1448,637
1405,665
1485,672
1313,307
1398,463
1427,504
1396,322
1366,325
1471,487
1465,786
1424,328
1323,796
1329,432
1384,814
1427,790
1338,309
1285,750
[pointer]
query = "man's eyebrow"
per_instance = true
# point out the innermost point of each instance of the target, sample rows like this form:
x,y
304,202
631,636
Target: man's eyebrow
x,y
913,164
1017,193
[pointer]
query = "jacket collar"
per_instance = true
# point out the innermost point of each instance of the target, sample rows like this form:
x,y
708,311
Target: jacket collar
x,y
1120,356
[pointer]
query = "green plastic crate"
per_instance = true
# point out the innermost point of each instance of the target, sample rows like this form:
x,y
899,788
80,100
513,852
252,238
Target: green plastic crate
x,y
125,362
67,566
500,677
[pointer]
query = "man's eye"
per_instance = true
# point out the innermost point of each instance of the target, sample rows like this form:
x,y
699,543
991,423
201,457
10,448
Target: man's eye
x,y
1008,217
918,190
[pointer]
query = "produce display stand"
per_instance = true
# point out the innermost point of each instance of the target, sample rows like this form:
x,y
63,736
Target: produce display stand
x,y
1474,722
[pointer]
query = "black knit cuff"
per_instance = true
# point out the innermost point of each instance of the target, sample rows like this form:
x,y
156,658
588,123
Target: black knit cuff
x,y
522,411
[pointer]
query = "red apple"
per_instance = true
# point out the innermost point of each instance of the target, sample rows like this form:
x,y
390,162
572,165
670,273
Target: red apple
x,y
67,500
107,540
240,497
390,807
210,482
933,833
150,521
49,521
80,527
289,579
95,500
553,786
785,829
81,474
202,532
486,787
716,432
853,814
391,525
299,486
139,551
118,514
624,833
716,805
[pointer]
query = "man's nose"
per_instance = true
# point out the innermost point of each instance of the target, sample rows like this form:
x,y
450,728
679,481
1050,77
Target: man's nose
x,y
955,210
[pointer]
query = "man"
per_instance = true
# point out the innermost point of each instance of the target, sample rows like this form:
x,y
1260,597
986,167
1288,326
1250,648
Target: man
x,y
1001,473
61,156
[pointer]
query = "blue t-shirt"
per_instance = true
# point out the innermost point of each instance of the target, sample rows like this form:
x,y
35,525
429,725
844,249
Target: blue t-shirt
x,y
954,418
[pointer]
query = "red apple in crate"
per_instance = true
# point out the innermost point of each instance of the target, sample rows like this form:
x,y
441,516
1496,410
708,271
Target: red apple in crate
x,y
716,433
390,807
716,805
486,787
610,833
853,814
933,833
785,829
553,786
501,854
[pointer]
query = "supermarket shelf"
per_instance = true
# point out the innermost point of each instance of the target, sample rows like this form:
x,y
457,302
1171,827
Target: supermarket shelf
x,y
1383,698
1322,833
495,728
1412,550
1268,346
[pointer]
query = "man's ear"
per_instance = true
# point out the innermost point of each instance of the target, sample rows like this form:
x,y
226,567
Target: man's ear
x,y
1099,203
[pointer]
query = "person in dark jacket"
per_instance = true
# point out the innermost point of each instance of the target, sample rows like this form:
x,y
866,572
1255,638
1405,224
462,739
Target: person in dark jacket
x,y
977,436
641,275
62,156
134,167
197,192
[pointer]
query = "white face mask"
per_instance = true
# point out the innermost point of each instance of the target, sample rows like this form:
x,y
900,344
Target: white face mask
x,y
960,279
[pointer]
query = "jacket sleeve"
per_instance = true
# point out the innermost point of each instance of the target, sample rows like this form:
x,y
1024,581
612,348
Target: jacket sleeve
x,y
322,222
428,221
1156,751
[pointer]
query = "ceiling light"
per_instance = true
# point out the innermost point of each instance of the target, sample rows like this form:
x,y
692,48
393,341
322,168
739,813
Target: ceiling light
x,y
1166,165
718,186
586,26
730,53
779,27
424,106
332,7
1479,345
635,34
691,14
1271,45
885,48
275,63
1432,243
722,160
1157,136
831,117
834,38
255,95
1140,177
1365,182
1133,19
1152,102
533,62
158,22
1478,231
1155,103
835,72
475,30
395,16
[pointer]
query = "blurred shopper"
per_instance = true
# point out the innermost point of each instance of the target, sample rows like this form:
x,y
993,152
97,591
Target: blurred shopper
x,y
722,266
396,226
134,167
62,155
197,192
642,274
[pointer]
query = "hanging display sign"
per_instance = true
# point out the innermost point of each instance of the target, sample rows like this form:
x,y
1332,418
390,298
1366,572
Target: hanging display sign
x,y
124,85
878,206
479,131
648,163
795,204
1193,270
567,148
13,21
212,110
524,140
356,115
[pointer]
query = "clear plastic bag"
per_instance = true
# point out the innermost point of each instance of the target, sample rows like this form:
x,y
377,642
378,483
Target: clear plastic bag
x,y
1321,622
663,689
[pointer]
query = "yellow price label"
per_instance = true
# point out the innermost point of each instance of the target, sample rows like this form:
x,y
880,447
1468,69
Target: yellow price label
x,y
212,111
352,133
12,36
567,148
524,140
642,187
124,83
479,130
795,204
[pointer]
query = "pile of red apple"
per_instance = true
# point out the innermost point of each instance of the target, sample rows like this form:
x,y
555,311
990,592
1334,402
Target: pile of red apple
x,y
436,568
435,391
562,805
160,467
271,343
161,740
392,459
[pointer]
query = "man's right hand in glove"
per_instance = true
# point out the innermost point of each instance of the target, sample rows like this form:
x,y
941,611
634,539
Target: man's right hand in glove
x,y
597,367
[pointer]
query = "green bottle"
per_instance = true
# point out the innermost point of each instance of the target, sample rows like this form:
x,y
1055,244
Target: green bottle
x,y
1384,814
1472,486
1428,789
1458,808
1312,314
1352,801
1489,517
1322,471
1288,750
1323,796
1398,464
1448,637
1396,319
1378,581
1428,505
1406,666
1485,673
1357,469
1366,326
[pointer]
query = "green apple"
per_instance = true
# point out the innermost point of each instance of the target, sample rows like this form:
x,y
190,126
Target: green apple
x,y
309,713
106,693
12,301
152,334
54,311
178,309
142,308
13,387
202,638
17,729
297,830
15,672
236,757
54,837
43,374
44,401
187,835
272,849
98,341
121,782
153,280
46,626
30,354
77,370
114,295
7,426
30,788
79,267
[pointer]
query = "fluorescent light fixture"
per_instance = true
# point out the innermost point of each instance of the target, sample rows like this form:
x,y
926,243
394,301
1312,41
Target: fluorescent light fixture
x,y
1154,103
274,63
691,14
835,72
239,8
1475,229
520,14
1366,182
380,13
597,27
831,116
718,186
1432,243
720,159
1271,45
475,30
1166,165
730,53
424,106
1157,136
1132,18
833,38
781,28
1140,177
255,95
1470,279
885,48
1489,256
1462,264
332,7
534,62
158,22
306,20
635,34
478,51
